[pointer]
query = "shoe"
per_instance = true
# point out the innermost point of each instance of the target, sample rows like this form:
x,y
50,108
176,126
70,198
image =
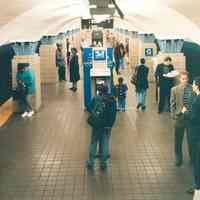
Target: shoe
x,y
30,114
103,167
190,190
143,108
89,166
178,162
24,114
138,106
159,112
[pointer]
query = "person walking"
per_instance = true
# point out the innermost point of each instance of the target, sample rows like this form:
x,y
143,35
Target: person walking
x,y
193,115
120,93
164,83
141,84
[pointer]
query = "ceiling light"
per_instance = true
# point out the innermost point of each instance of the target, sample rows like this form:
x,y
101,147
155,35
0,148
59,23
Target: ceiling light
x,y
93,6
100,18
111,6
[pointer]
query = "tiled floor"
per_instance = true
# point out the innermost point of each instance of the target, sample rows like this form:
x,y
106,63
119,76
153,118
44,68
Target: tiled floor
x,y
43,158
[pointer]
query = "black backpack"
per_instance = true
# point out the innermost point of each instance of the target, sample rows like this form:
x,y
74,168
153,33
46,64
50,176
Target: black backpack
x,y
96,118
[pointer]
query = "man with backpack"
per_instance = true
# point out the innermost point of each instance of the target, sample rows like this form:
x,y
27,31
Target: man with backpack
x,y
101,119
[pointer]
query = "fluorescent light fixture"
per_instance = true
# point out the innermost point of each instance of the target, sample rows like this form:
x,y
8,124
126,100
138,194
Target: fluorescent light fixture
x,y
100,18
93,6
111,6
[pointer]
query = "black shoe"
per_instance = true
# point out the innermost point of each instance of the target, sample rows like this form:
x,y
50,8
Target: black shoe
x,y
190,190
138,106
178,162
143,108
103,167
159,112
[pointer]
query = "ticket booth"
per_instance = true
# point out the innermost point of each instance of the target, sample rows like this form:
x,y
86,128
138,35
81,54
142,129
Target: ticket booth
x,y
97,69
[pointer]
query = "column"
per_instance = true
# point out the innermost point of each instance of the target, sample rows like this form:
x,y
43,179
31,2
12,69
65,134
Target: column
x,y
49,71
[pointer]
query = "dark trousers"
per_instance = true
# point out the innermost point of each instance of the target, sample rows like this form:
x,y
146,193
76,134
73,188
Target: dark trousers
x,y
24,104
180,130
196,164
117,64
164,97
61,73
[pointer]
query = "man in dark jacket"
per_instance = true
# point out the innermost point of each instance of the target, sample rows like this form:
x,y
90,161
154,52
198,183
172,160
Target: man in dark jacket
x,y
101,134
164,83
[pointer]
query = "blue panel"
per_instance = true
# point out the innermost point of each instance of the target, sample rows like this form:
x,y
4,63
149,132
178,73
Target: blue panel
x,y
87,57
110,57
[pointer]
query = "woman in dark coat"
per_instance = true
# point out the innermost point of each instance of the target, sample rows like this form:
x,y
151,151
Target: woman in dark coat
x,y
193,116
141,84
74,69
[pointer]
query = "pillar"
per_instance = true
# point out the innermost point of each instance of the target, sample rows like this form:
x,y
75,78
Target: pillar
x,y
47,51
25,53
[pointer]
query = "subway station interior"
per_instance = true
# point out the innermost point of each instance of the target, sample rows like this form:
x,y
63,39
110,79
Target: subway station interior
x,y
70,48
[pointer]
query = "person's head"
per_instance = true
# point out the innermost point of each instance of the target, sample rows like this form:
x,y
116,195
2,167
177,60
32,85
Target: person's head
x,y
74,51
183,78
120,80
22,67
196,85
59,46
142,61
167,60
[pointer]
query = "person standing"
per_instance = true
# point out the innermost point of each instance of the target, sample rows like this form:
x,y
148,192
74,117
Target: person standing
x,y
193,116
60,63
180,97
74,69
120,91
25,87
117,56
101,133
164,83
141,84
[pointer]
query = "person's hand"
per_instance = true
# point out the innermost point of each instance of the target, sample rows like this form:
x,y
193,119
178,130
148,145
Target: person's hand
x,y
184,109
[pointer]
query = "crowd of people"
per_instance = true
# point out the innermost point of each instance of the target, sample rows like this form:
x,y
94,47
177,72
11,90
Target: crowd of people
x,y
181,100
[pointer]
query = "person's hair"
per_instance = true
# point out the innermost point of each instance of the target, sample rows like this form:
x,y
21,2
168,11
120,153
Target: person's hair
x,y
22,66
120,79
168,59
197,81
74,49
183,73
142,61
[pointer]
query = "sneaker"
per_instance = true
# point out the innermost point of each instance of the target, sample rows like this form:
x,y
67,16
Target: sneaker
x,y
89,166
143,108
30,114
103,167
24,114
190,190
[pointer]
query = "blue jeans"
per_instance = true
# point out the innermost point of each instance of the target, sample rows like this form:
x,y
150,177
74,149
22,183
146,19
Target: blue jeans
x,y
121,103
141,97
100,136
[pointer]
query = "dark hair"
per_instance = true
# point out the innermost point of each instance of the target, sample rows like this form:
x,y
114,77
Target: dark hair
x,y
74,49
22,66
120,79
168,59
142,61
197,81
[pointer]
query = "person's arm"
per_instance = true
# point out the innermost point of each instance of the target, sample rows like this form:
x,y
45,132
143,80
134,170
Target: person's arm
x,y
173,103
193,113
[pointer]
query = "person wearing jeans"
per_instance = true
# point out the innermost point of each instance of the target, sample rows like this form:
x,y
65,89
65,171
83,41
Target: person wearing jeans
x,y
120,90
141,84
141,97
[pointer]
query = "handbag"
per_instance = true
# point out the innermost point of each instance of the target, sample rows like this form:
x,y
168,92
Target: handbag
x,y
96,117
134,76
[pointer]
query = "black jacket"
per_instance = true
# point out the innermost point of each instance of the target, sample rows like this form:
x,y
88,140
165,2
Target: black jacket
x,y
74,69
193,116
160,79
142,77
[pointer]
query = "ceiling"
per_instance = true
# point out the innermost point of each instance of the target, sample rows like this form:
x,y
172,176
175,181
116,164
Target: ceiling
x,y
24,20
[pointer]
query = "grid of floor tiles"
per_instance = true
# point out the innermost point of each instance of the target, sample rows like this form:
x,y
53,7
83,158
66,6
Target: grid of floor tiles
x,y
43,158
